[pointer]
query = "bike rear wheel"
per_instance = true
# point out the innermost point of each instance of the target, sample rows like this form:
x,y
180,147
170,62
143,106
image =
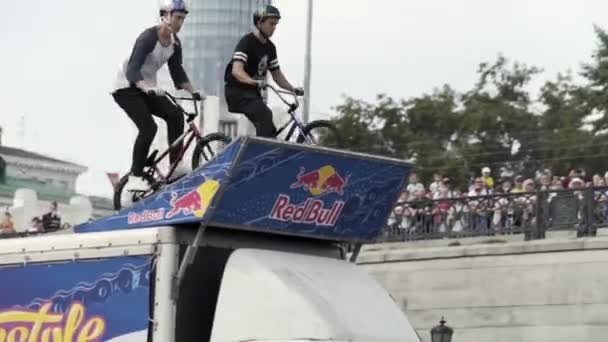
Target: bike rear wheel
x,y
208,147
120,187
322,133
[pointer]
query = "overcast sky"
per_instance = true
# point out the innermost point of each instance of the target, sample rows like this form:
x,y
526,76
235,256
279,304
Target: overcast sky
x,y
59,59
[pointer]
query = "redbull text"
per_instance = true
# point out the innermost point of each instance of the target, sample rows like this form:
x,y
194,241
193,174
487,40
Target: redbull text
x,y
146,216
312,211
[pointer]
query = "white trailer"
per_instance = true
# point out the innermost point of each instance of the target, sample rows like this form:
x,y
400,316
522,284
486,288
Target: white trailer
x,y
249,247
239,287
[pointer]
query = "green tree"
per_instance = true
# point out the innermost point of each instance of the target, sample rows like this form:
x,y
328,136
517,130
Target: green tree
x,y
496,123
498,126
564,143
358,124
432,120
446,132
418,129
595,92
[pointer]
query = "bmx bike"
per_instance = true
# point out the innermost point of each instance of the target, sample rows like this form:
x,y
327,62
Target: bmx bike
x,y
152,172
317,132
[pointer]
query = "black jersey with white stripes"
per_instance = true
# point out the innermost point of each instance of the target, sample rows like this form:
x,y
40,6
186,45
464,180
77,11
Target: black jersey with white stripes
x,y
258,57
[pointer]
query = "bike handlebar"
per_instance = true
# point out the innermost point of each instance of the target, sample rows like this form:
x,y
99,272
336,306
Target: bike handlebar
x,y
292,106
174,99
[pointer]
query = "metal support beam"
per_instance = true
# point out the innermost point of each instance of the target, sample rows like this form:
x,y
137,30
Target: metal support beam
x,y
308,65
356,251
187,261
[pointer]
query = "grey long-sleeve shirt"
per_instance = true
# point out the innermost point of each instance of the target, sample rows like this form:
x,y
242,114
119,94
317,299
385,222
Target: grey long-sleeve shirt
x,y
147,57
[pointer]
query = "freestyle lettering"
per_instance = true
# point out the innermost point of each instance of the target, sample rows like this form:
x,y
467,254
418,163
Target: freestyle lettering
x,y
312,211
45,326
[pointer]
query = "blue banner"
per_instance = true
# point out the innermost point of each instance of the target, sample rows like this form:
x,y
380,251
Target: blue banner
x,y
101,300
315,193
275,187
185,201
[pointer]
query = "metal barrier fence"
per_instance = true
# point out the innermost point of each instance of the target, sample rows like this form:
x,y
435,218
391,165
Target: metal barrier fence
x,y
531,214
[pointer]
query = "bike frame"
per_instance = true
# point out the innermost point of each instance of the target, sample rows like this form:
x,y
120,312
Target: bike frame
x,y
191,133
293,123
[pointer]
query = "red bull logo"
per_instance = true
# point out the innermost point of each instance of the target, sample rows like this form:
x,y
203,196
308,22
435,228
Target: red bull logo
x,y
145,216
194,202
325,180
312,211
321,181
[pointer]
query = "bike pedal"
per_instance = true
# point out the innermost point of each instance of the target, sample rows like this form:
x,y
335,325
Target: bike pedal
x,y
137,191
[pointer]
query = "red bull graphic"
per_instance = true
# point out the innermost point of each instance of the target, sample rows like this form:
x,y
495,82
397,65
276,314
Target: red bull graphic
x,y
325,180
194,202
321,181
334,183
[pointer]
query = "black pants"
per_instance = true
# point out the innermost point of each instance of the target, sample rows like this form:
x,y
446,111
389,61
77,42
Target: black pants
x,y
140,107
250,103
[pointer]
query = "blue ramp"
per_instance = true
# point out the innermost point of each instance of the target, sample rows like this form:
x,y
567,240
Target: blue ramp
x,y
276,187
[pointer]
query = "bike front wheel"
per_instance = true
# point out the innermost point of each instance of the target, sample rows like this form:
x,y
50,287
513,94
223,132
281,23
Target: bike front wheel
x,y
135,197
208,147
321,133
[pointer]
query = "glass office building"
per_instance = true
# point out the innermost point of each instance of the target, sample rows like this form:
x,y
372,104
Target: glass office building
x,y
210,34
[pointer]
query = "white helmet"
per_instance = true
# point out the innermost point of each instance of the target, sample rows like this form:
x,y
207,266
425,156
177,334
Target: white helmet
x,y
172,6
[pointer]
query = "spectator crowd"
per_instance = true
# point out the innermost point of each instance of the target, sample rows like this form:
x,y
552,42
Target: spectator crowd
x,y
483,205
486,204
48,222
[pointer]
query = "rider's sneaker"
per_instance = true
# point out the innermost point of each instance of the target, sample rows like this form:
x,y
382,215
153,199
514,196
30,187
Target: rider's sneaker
x,y
137,184
133,184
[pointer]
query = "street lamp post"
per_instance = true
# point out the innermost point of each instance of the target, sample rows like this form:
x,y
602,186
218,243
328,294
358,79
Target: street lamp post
x,y
441,332
307,64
